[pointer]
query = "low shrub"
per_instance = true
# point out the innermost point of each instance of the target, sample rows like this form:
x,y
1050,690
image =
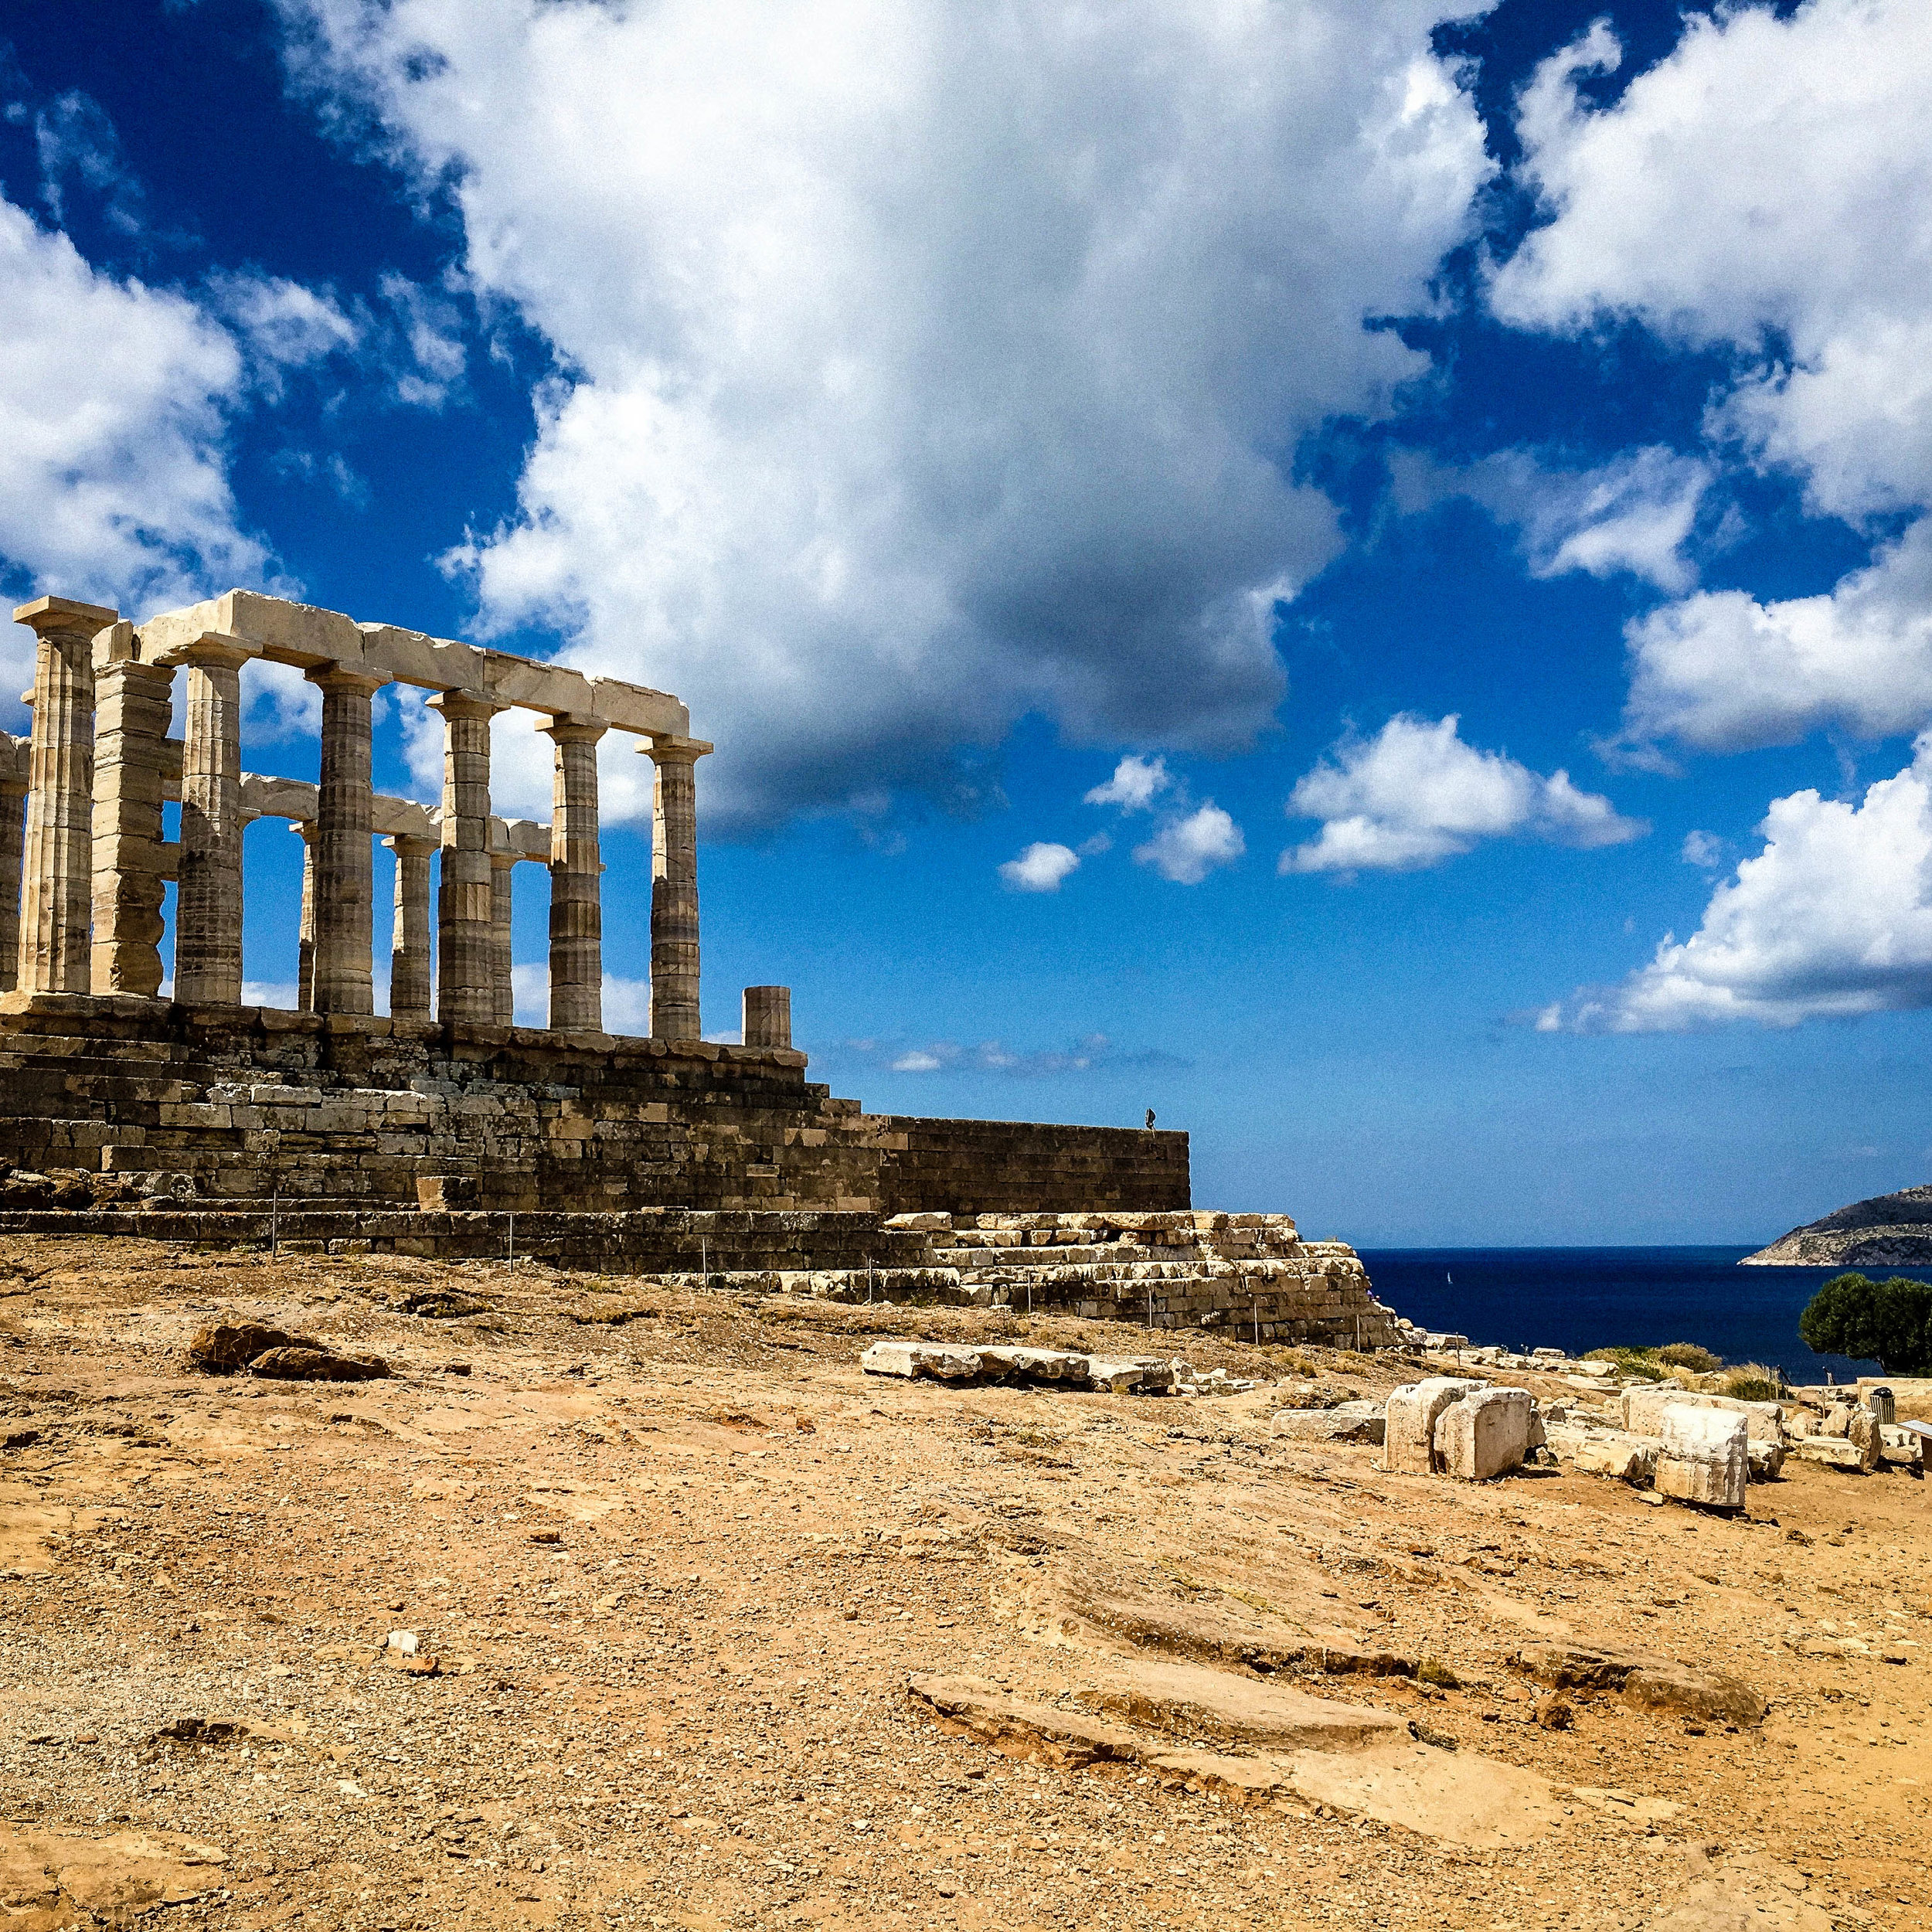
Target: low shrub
x,y
1691,1355
1641,1362
1751,1382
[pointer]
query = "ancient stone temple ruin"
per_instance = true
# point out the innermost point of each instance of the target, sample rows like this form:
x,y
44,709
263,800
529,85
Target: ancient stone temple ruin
x,y
196,1114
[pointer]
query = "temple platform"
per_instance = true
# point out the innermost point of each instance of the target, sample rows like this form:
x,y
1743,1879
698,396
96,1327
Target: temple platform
x,y
181,1106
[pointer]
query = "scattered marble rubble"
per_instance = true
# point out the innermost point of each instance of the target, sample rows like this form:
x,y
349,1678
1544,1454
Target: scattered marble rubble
x,y
1685,1445
1065,1368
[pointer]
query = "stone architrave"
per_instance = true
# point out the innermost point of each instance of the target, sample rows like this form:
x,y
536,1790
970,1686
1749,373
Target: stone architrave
x,y
465,914
208,904
409,971
57,864
502,964
767,1016
15,759
576,911
344,858
132,861
304,828
674,888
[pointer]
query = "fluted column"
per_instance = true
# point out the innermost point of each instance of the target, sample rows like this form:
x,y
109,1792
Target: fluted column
x,y
208,904
576,881
674,888
58,838
465,919
409,969
306,932
14,756
503,983
131,861
344,860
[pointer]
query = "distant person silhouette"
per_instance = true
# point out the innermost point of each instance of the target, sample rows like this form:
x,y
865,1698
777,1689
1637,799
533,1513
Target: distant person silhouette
x,y
1150,1120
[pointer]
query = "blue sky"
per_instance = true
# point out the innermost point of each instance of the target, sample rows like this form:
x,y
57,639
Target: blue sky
x,y
1353,571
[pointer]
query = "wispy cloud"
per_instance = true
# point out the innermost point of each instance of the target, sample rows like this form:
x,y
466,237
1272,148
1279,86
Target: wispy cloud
x,y
1093,1053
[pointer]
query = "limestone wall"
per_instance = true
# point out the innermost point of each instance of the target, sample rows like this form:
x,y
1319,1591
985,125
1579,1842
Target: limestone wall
x,y
229,1104
1013,1166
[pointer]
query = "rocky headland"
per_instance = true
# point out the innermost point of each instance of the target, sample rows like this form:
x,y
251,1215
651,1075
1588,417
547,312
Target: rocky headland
x,y
1887,1231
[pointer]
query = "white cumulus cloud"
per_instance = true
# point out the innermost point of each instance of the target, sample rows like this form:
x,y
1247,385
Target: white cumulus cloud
x,y
113,418
1761,191
1040,868
922,364
1134,785
1721,672
1833,918
1416,794
1189,846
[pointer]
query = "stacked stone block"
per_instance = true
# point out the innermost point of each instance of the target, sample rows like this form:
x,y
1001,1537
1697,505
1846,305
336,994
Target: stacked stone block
x,y
1250,1276
235,1105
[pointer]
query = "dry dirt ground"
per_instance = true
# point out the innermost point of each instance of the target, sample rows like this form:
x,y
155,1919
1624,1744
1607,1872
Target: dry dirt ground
x,y
675,1571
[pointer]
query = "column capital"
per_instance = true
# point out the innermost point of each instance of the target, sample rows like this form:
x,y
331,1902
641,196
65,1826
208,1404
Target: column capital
x,y
347,677
211,652
48,616
454,707
565,730
406,845
664,750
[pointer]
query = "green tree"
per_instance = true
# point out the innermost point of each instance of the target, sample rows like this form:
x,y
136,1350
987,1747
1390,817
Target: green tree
x,y
1888,1322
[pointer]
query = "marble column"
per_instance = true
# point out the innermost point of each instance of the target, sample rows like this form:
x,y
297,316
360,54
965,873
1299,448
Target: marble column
x,y
14,756
674,888
306,932
767,1016
465,919
345,858
576,881
208,903
132,861
56,884
502,984
408,970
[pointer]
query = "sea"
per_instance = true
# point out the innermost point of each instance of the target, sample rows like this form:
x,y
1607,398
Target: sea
x,y
1577,1299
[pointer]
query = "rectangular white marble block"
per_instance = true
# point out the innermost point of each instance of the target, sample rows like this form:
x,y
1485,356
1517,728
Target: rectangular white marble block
x,y
1705,1457
1408,1429
1484,1434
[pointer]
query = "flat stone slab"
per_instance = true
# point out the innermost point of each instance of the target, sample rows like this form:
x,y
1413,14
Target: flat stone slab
x,y
1658,1683
1381,1772
113,1873
917,1358
1198,1701
1347,1422
942,1362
